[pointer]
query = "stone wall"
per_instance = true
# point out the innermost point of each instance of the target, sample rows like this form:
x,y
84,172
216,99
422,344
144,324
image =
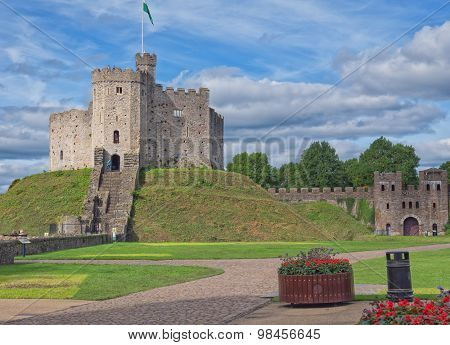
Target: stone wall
x,y
49,244
8,250
317,194
70,140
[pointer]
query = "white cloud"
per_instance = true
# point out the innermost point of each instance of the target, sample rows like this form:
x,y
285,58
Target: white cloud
x,y
12,169
421,68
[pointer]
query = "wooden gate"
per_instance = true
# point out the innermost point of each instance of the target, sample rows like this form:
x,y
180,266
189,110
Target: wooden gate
x,y
411,227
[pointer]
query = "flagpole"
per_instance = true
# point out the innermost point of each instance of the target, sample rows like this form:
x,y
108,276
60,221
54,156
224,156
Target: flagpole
x,y
142,28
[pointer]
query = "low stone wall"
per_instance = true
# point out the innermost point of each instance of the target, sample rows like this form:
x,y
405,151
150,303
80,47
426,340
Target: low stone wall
x,y
8,250
49,244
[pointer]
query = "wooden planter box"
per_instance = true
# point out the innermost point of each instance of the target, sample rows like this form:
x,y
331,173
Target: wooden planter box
x,y
316,289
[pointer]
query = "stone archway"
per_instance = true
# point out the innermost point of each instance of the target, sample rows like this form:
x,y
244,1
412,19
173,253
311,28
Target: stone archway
x,y
411,227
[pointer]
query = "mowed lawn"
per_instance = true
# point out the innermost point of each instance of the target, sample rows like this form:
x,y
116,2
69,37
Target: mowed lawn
x,y
429,269
228,250
91,282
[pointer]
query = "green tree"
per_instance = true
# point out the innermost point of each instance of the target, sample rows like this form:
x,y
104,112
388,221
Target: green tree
x,y
320,166
353,171
256,166
289,176
384,156
446,166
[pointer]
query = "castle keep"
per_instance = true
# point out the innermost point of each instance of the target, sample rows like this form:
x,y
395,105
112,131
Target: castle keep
x,y
399,210
131,123
131,115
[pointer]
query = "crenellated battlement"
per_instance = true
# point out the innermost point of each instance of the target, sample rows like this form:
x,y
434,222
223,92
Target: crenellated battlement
x,y
326,193
171,92
116,74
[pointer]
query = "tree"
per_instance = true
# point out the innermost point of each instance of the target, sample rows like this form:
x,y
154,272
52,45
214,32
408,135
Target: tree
x,y
353,171
289,176
320,166
384,156
446,166
256,166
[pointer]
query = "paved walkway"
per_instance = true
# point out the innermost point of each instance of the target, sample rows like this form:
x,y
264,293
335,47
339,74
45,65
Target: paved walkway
x,y
214,300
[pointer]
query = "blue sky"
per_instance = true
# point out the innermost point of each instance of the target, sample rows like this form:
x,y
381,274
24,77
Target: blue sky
x,y
263,60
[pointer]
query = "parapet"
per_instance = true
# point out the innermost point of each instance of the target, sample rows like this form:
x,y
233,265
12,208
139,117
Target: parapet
x,y
326,193
116,74
146,59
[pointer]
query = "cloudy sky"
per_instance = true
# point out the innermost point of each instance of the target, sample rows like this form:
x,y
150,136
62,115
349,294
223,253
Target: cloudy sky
x,y
282,72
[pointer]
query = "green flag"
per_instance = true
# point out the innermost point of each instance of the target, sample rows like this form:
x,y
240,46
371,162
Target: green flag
x,y
147,10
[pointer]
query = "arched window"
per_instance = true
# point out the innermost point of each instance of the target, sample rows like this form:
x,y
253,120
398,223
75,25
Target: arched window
x,y
61,155
382,187
404,204
393,187
438,187
116,137
435,229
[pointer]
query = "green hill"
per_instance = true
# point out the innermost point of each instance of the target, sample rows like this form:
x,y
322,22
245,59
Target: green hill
x,y
207,205
180,205
35,202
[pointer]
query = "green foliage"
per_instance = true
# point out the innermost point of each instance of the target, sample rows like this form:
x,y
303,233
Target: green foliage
x,y
365,212
35,202
91,282
354,173
384,156
256,166
289,176
350,203
316,261
446,166
320,166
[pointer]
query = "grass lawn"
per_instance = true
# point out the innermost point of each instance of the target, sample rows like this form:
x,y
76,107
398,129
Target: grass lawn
x,y
91,282
228,250
428,270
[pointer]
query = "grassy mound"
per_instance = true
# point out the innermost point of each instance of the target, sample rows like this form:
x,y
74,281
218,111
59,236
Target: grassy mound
x,y
184,205
35,202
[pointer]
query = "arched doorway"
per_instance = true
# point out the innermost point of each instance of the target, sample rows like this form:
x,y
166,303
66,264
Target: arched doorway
x,y
115,163
388,228
411,227
435,229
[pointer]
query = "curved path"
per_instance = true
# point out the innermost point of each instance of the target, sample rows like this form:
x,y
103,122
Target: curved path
x,y
214,300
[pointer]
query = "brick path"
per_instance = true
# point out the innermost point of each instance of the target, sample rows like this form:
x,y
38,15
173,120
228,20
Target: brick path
x,y
214,300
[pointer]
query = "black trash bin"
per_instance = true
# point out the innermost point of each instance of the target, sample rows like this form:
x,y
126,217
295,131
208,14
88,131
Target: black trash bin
x,y
399,276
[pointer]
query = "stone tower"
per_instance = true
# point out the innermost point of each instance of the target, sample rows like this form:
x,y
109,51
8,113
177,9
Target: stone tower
x,y
133,123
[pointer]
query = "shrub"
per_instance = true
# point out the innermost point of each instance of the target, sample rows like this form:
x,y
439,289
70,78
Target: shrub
x,y
316,261
403,312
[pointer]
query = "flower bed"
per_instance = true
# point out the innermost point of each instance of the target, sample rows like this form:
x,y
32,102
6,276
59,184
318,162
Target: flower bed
x,y
315,277
403,312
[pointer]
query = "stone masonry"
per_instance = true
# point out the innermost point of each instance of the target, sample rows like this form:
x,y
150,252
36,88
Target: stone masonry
x,y
132,123
399,209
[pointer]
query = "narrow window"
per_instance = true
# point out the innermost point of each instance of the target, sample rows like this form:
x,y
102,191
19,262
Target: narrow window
x,y
61,155
119,90
434,205
393,187
187,132
417,204
438,187
116,137
410,204
382,187
404,204
428,186
387,206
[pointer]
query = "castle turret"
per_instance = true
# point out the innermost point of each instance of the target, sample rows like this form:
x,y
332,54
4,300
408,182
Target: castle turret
x,y
146,63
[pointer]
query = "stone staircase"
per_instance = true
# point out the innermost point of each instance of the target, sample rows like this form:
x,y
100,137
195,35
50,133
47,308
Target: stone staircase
x,y
110,198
